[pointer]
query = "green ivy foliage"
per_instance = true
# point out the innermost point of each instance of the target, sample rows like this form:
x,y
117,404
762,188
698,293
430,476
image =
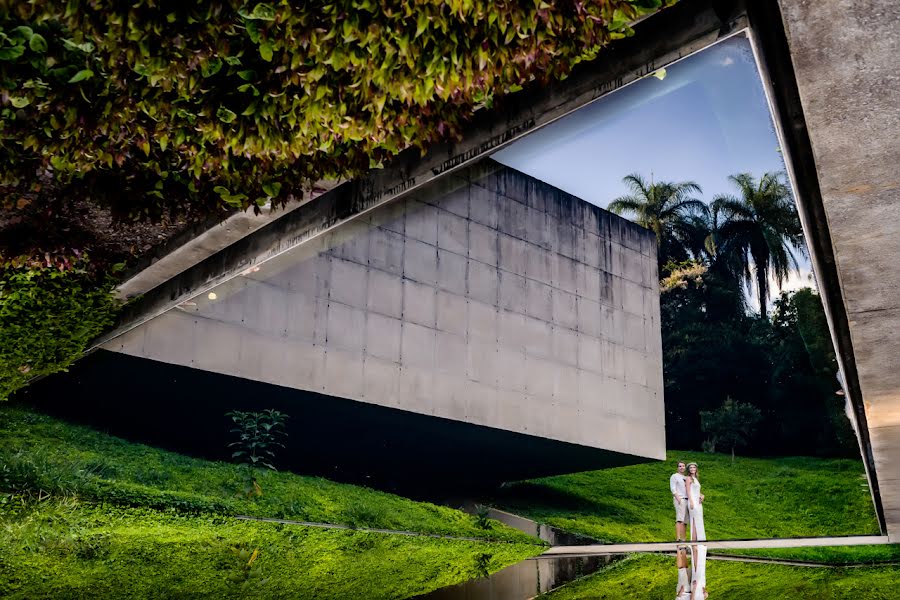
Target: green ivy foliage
x,y
151,104
49,311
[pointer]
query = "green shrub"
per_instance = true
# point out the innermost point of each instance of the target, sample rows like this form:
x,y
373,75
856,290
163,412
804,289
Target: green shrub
x,y
49,312
258,436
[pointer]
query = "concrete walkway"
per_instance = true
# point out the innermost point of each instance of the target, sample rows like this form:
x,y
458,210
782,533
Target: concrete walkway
x,y
601,549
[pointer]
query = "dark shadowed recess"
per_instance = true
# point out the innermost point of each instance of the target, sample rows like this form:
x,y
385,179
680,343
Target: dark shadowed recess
x,y
182,409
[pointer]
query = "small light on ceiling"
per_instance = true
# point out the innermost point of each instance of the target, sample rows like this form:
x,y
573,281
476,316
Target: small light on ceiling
x,y
212,296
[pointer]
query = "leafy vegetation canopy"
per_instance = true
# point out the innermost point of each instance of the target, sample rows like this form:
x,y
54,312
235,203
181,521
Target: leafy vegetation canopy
x,y
154,103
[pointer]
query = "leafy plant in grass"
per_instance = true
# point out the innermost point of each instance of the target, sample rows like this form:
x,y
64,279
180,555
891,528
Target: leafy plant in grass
x,y
731,426
258,437
482,517
247,572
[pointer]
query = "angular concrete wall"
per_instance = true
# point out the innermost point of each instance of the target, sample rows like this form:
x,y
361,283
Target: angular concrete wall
x,y
490,298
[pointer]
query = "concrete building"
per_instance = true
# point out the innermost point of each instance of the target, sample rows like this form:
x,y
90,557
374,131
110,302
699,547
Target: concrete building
x,y
488,299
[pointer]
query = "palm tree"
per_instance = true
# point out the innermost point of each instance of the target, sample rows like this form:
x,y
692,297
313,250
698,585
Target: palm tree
x,y
754,234
667,209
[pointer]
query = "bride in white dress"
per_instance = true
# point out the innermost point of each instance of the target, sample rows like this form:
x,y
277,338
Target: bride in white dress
x,y
695,503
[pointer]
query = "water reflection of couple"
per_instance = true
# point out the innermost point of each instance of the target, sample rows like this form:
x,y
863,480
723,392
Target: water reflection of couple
x,y
688,501
691,586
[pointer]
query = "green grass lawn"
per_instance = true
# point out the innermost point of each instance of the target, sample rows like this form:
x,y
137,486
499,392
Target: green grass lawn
x,y
86,514
40,453
752,498
833,555
653,577
63,548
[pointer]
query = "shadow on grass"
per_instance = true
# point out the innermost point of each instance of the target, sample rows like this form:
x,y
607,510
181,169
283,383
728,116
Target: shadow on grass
x,y
538,499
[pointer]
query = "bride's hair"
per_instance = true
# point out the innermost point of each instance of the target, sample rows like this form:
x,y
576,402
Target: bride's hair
x,y
696,475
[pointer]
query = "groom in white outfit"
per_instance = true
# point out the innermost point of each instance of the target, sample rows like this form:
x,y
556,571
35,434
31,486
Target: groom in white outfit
x,y
680,500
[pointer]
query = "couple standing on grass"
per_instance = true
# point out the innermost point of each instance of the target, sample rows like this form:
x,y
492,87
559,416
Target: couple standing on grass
x,y
685,487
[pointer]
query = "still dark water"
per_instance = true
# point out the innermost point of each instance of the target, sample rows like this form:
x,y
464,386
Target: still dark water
x,y
529,578
523,580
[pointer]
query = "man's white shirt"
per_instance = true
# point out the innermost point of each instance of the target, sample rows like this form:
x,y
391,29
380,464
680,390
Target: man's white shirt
x,y
676,485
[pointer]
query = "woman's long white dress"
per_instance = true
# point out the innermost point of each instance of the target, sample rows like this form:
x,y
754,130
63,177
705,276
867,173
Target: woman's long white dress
x,y
698,531
698,573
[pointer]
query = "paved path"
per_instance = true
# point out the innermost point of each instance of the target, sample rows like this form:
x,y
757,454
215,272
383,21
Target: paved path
x,y
601,549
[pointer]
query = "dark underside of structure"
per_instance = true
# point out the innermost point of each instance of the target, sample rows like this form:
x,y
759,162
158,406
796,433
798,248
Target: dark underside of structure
x,y
183,409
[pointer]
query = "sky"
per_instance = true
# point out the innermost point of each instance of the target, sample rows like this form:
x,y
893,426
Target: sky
x,y
706,119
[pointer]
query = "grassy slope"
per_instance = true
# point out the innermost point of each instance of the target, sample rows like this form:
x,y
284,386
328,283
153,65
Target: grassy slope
x,y
127,520
42,453
653,577
66,549
754,498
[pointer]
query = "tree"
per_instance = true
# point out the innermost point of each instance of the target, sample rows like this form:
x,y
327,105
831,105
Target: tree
x,y
754,234
732,425
667,209
808,412
709,351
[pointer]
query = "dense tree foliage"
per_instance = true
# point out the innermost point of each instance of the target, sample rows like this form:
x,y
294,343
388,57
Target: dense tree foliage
x,y
731,426
785,367
50,309
714,348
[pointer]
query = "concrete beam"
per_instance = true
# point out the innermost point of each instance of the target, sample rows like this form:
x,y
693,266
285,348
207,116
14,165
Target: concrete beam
x,y
830,68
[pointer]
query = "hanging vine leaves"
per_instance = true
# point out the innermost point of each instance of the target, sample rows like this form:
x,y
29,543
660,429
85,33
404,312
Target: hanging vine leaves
x,y
149,105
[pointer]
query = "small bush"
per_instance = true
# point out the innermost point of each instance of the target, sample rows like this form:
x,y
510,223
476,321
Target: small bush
x,y
482,518
361,515
258,436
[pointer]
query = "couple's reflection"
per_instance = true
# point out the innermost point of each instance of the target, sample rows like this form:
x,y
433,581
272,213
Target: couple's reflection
x,y
691,563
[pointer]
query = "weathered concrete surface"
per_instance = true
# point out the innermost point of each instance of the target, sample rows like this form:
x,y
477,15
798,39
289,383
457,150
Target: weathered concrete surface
x,y
845,55
492,299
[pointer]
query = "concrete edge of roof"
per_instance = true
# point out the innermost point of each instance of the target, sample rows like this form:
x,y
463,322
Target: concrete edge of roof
x,y
205,239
